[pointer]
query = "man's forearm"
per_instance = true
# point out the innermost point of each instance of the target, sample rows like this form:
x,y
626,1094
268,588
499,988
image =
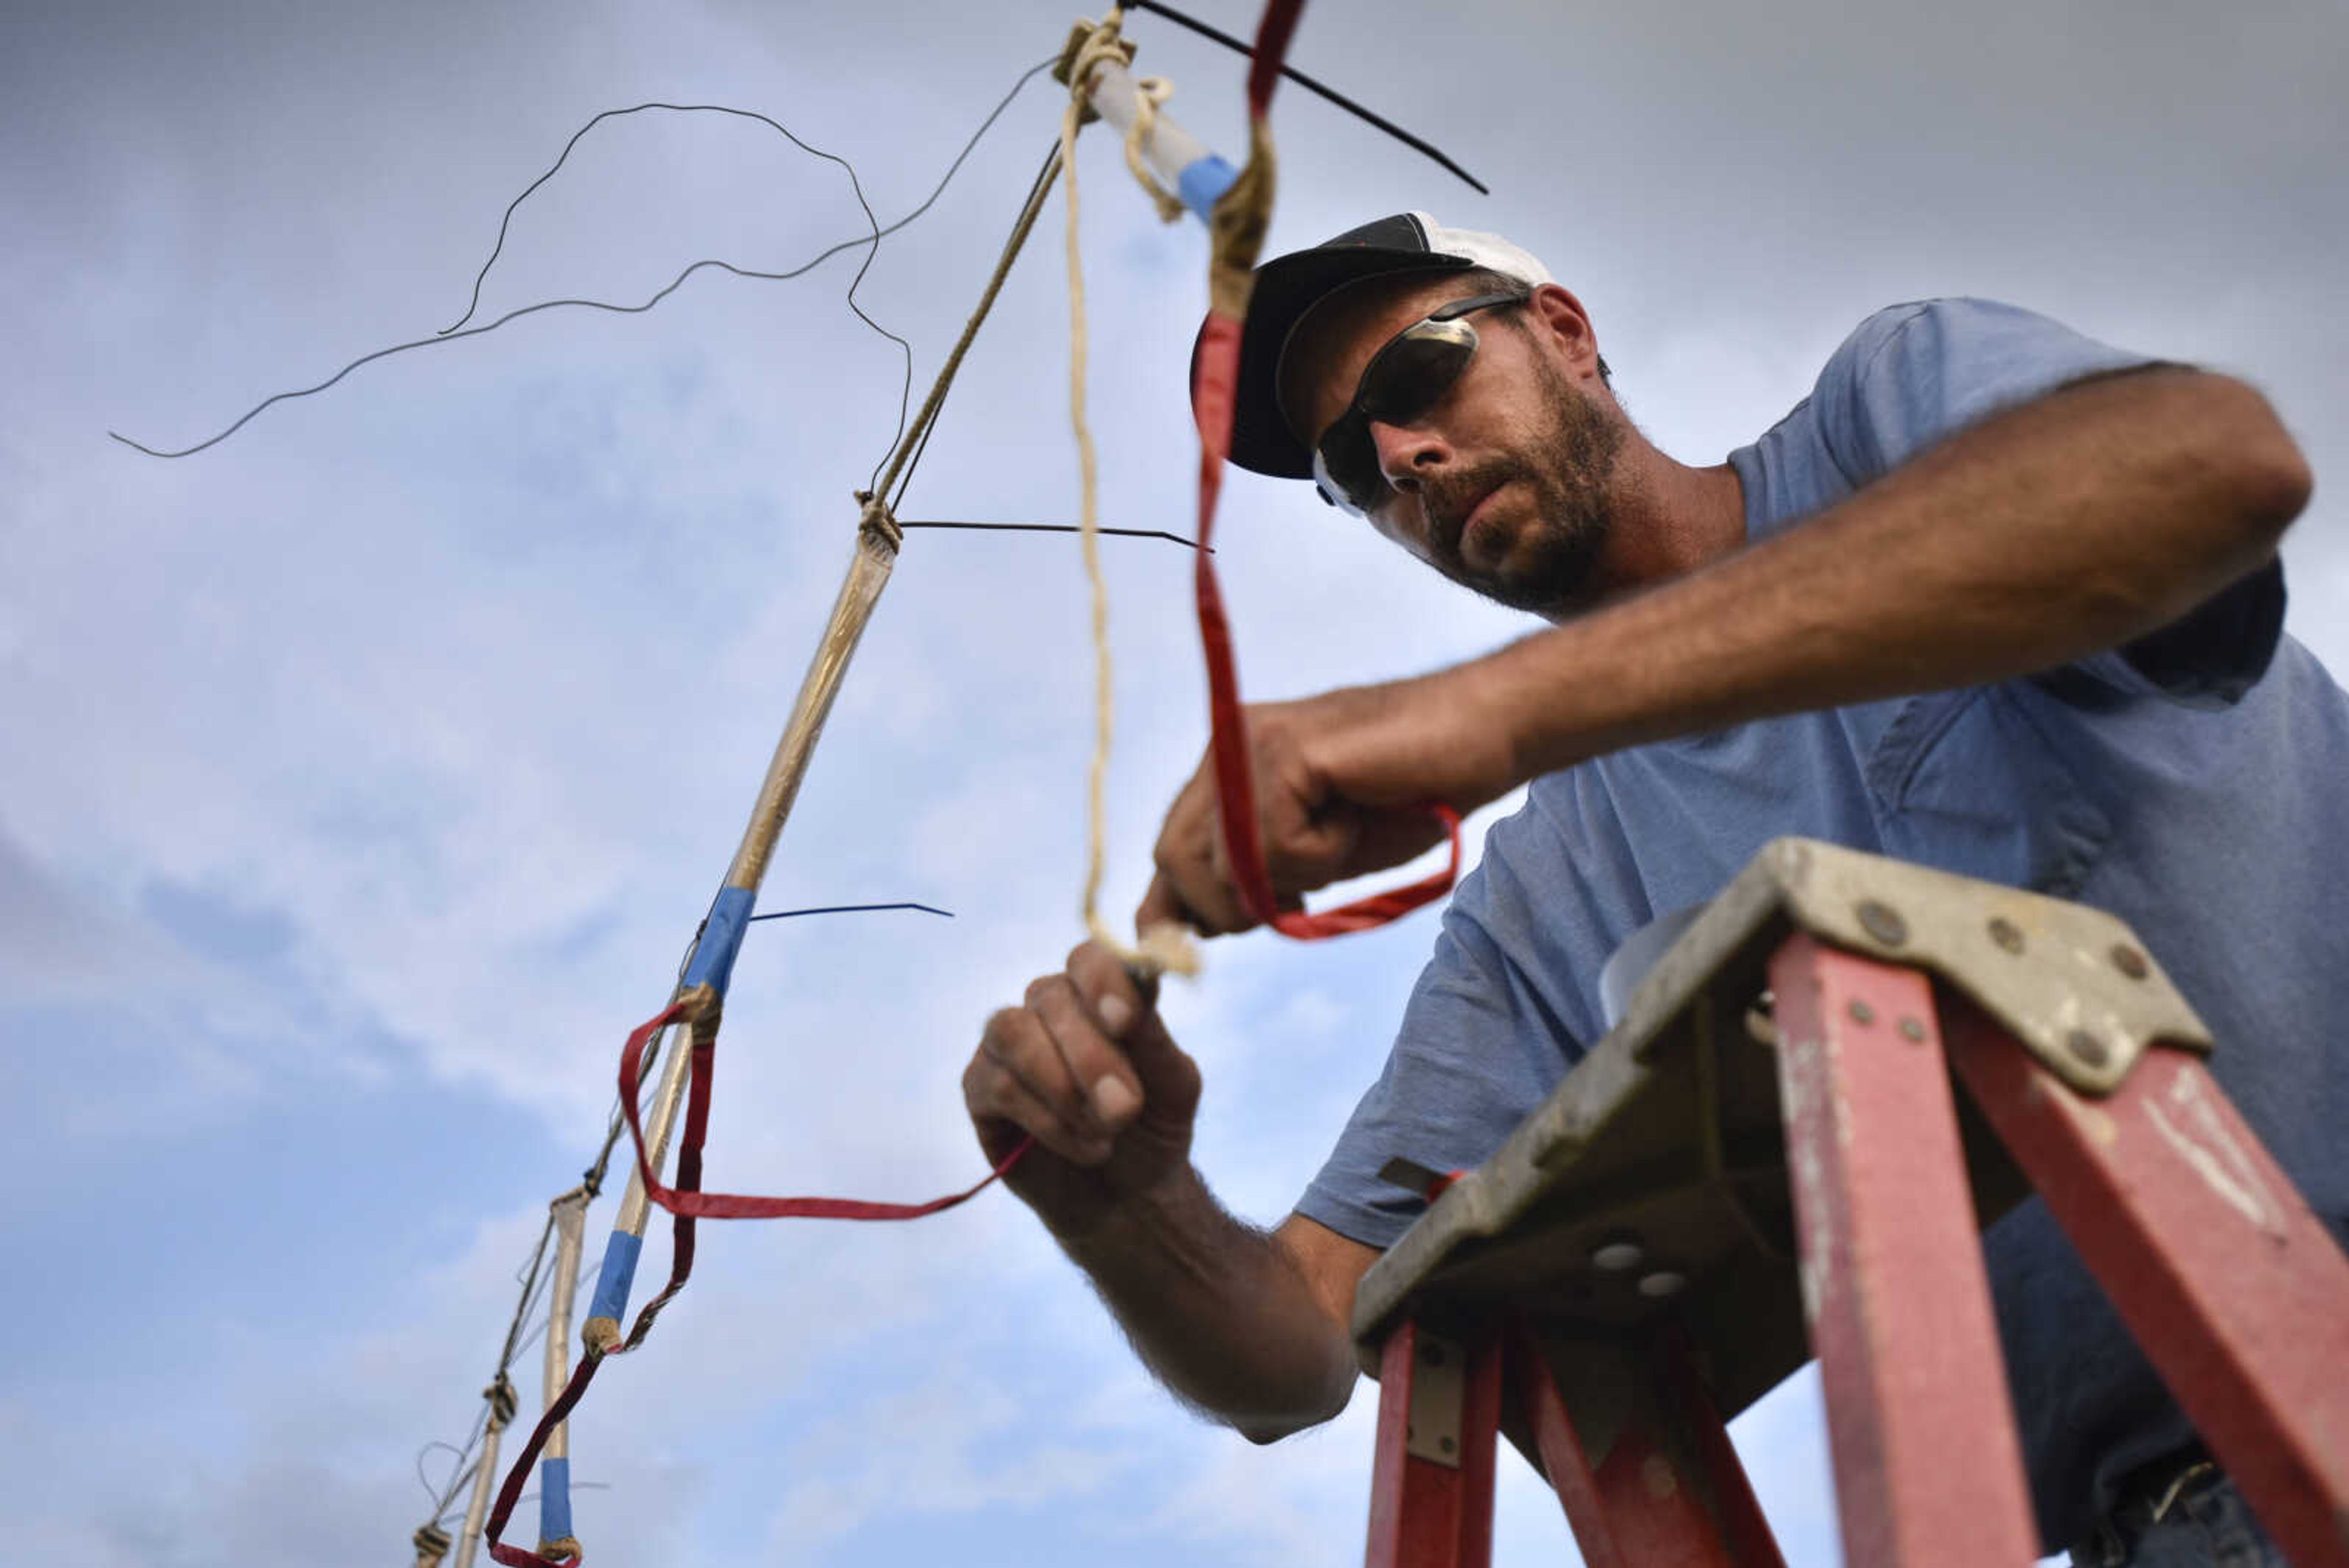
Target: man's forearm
x,y
2068,527
1220,1311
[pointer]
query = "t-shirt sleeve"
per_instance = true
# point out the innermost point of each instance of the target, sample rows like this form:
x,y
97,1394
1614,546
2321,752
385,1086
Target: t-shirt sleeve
x,y
1504,1006
1455,1083
1915,375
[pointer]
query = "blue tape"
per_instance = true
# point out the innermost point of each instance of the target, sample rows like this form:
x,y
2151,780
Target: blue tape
x,y
1203,185
721,940
617,1276
554,1499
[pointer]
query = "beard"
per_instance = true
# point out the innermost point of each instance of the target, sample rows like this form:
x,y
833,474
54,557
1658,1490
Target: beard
x,y
1550,561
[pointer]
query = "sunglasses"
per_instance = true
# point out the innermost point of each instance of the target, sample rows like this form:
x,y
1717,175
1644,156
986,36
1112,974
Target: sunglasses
x,y
1408,376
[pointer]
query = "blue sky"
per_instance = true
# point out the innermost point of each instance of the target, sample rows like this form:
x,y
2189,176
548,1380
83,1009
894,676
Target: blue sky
x,y
368,772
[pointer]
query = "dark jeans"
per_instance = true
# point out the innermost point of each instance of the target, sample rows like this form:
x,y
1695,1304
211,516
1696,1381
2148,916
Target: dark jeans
x,y
2203,1523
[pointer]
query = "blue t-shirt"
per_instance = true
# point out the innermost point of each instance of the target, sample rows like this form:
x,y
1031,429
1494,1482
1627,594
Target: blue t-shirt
x,y
2192,782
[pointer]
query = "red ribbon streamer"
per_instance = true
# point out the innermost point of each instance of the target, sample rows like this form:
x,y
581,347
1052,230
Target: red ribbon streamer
x,y
689,1203
511,1492
1214,398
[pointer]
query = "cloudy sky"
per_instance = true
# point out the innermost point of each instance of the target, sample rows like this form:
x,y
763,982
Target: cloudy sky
x,y
368,772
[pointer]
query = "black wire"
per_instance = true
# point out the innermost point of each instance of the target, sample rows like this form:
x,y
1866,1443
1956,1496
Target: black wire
x,y
905,392
1368,116
1065,528
461,1471
850,909
453,335
530,1287
440,1495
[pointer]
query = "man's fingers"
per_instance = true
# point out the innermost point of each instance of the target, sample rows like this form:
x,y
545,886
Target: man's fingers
x,y
1164,904
999,1105
1196,890
1100,1072
1032,1086
1160,907
1189,888
1112,990
1335,778
1169,1079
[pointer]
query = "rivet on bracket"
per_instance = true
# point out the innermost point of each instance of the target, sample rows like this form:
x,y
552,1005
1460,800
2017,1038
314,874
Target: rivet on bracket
x,y
1882,922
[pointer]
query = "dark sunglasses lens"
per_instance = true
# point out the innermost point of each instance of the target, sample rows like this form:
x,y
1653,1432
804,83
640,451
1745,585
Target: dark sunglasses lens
x,y
1401,384
1346,465
1415,370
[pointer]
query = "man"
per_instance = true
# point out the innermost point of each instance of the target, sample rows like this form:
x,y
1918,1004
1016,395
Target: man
x,y
1995,597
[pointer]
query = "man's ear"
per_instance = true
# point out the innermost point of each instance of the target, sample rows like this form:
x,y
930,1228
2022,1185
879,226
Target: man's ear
x,y
1554,313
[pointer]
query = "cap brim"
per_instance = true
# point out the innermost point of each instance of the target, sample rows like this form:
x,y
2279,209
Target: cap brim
x,y
1286,288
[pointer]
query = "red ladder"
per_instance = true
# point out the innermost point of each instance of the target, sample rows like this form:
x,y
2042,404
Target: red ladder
x,y
2237,1292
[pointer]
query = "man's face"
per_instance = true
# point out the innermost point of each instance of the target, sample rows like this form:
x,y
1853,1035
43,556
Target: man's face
x,y
1503,483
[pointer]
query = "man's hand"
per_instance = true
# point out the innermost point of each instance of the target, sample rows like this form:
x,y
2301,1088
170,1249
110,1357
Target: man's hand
x,y
1088,1068
1247,1326
1342,786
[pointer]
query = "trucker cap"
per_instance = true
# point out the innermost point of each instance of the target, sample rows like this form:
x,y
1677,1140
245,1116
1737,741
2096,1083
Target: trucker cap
x,y
1289,286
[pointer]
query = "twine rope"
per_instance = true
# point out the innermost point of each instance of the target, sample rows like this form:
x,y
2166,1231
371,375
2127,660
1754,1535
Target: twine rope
x,y
1165,948
1149,93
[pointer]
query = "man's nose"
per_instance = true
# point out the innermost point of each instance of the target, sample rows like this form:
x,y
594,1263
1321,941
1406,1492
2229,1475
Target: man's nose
x,y
1407,453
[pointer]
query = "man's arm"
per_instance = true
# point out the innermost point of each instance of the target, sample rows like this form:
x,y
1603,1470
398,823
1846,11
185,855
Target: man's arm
x,y
2071,524
1248,1326
2059,529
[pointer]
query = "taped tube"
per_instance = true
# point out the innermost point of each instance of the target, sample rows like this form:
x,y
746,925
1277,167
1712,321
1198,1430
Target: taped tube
x,y
1180,159
617,1276
555,1541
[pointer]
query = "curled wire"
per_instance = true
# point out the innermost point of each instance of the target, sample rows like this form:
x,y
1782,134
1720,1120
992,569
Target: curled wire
x,y
460,332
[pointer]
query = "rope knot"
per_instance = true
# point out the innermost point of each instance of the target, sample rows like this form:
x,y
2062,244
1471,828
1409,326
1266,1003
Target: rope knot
x,y
1090,43
1089,47
1148,94
1161,950
877,520
503,1403
698,1004
431,1543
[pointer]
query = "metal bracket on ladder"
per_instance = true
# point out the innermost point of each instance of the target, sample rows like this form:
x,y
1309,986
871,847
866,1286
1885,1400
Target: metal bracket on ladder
x,y
1438,1389
2072,984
